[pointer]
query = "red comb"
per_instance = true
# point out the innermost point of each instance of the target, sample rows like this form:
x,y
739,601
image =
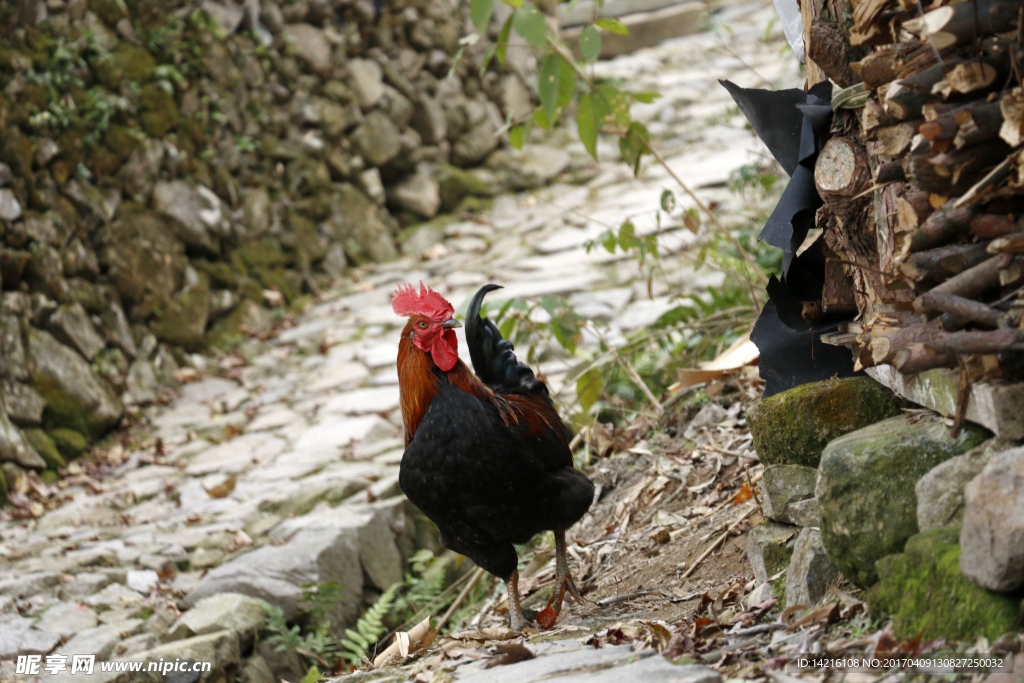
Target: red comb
x,y
426,302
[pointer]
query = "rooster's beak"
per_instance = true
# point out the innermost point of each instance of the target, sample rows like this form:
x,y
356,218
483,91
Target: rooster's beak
x,y
451,324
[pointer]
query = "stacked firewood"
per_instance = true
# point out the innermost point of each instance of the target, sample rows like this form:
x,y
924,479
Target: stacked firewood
x,y
923,183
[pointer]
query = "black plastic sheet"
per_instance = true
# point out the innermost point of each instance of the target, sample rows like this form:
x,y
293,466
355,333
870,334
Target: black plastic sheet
x,y
794,125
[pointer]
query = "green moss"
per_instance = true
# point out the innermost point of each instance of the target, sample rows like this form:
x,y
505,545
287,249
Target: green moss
x,y
264,252
306,238
17,151
134,62
160,111
794,427
865,488
925,593
110,11
220,273
287,282
120,141
250,288
183,321
3,489
49,476
456,183
70,443
44,446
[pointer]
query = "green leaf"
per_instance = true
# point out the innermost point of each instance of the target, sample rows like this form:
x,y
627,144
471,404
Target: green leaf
x,y
613,25
506,327
488,55
513,3
531,25
541,119
608,240
645,97
503,35
549,83
480,12
588,388
566,84
312,676
668,201
516,136
612,106
627,235
590,44
633,145
588,123
691,219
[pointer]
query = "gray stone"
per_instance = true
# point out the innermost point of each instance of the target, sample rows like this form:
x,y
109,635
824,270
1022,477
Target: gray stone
x,y
311,45
139,174
810,572
224,611
992,537
709,416
23,404
72,326
220,648
430,121
65,619
567,662
115,596
11,348
769,549
479,141
10,207
367,80
142,383
116,325
276,573
529,168
15,448
377,139
866,484
135,644
79,260
142,580
940,493
28,585
41,229
100,640
192,212
227,14
18,637
356,223
369,181
418,193
85,584
256,670
787,494
75,396
5,175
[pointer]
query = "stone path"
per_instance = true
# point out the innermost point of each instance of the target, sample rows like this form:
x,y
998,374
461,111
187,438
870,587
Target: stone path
x,y
289,474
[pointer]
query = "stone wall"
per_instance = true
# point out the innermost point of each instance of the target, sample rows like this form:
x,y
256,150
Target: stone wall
x,y
172,170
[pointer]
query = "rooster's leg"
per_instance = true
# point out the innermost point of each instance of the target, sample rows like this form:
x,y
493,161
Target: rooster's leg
x,y
563,577
516,621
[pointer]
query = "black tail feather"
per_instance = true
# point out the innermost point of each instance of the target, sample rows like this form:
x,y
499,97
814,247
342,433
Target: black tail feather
x,y
493,358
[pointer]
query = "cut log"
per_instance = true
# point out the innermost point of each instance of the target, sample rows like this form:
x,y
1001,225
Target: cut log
x,y
883,346
942,227
955,172
828,49
964,310
919,358
971,343
987,226
894,141
837,297
841,173
928,268
913,208
1011,244
872,117
963,22
974,76
891,172
974,281
1012,108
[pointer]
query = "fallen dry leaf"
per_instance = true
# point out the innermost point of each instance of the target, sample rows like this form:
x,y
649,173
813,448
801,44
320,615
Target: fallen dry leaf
x,y
223,489
744,495
509,653
547,617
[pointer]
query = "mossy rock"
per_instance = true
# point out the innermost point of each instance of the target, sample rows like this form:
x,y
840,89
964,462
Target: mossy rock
x,y
287,282
248,317
307,239
183,321
3,489
793,428
17,151
160,111
72,146
120,141
103,163
770,548
107,73
45,447
456,183
925,593
220,273
49,476
264,252
865,488
70,443
250,288
110,11
134,62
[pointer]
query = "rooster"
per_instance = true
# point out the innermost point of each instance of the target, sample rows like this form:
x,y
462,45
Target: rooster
x,y
486,456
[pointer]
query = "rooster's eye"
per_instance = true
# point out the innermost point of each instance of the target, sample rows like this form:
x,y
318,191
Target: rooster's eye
x,y
423,325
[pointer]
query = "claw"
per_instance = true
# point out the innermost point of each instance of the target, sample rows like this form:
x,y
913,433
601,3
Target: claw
x,y
563,579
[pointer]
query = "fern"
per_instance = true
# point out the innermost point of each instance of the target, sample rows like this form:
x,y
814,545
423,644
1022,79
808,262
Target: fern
x,y
369,628
281,635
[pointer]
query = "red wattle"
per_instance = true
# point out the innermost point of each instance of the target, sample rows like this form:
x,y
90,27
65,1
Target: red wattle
x,y
445,350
